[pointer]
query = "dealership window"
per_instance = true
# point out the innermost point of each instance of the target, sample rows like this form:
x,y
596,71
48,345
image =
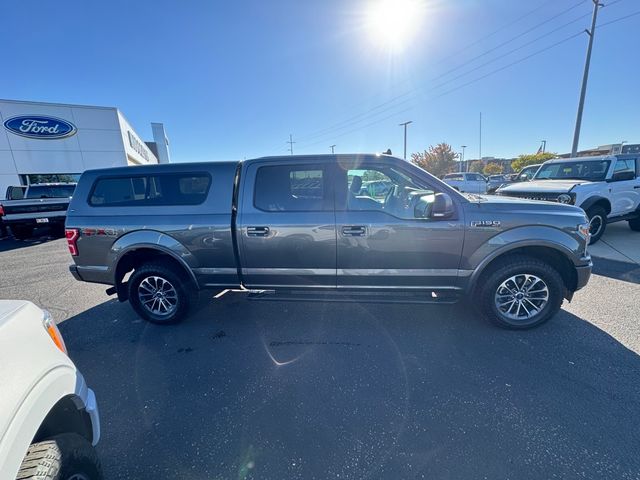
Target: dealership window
x,y
293,188
147,190
31,178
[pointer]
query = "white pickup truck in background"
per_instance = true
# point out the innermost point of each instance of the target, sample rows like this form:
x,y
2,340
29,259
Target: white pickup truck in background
x,y
466,182
48,416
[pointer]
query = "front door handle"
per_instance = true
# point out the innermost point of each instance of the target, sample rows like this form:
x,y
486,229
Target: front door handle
x,y
354,231
257,231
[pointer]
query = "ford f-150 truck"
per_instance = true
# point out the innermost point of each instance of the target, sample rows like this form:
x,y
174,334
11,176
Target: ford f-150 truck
x,y
300,227
43,204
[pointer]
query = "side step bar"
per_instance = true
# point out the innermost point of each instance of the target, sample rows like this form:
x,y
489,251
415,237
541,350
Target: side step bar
x,y
422,297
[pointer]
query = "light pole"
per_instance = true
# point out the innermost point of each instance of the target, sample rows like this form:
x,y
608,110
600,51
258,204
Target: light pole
x,y
405,136
462,157
332,148
544,146
585,77
622,145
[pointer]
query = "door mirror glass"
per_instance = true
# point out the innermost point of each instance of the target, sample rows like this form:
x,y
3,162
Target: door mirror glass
x,y
442,207
624,175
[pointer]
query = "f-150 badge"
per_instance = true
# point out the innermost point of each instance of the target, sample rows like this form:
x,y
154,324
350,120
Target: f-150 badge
x,y
485,223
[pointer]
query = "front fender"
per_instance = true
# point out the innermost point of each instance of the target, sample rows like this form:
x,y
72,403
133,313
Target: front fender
x,y
529,236
53,385
154,240
592,200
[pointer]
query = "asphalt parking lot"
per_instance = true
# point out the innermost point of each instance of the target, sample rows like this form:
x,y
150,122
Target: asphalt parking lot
x,y
255,389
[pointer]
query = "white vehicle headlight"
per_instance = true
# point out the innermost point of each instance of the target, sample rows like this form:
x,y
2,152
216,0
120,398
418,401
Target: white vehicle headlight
x,y
565,198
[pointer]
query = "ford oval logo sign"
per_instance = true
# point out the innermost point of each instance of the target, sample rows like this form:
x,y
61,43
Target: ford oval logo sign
x,y
40,126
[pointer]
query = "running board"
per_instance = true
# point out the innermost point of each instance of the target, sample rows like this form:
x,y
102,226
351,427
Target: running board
x,y
422,297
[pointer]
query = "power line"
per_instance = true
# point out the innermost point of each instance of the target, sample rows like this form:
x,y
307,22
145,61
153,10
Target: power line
x,y
493,72
520,35
477,79
393,101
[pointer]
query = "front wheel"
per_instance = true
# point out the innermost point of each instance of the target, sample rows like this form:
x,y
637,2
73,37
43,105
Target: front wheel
x,y
521,292
64,457
597,223
159,294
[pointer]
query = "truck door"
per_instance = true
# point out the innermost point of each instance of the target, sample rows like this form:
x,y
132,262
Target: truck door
x,y
384,241
625,192
286,225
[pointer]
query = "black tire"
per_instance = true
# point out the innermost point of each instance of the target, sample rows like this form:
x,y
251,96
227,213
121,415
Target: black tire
x,y
518,266
21,232
62,457
634,224
598,218
182,286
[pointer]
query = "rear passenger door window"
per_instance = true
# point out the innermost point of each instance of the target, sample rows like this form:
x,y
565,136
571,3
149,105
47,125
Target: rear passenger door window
x,y
291,188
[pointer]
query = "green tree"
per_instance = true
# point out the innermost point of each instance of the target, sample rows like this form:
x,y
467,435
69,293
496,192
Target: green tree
x,y
492,168
476,166
531,159
437,160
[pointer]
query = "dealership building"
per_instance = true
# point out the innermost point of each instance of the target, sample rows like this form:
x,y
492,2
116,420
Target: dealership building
x,y
45,142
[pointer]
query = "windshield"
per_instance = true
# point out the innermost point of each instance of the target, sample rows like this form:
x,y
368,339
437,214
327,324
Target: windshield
x,y
50,191
595,171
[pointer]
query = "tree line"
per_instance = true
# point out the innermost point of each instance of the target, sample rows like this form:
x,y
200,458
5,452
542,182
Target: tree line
x,y
440,159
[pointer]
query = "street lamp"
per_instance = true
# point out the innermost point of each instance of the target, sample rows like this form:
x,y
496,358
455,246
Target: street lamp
x,y
462,157
405,136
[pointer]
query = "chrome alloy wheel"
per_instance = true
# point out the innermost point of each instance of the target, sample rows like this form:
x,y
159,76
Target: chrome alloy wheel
x,y
158,296
521,296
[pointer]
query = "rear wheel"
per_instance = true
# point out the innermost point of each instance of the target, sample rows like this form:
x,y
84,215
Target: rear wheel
x,y
520,292
159,294
598,222
21,232
634,224
64,457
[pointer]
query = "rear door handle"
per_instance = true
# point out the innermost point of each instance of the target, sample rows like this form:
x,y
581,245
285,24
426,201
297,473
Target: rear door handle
x,y
257,231
354,231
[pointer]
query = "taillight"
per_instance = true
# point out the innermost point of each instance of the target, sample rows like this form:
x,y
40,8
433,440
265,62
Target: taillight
x,y
1,210
72,235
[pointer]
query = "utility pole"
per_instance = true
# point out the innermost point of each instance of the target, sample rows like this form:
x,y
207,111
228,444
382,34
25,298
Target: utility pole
x,y
480,148
544,146
332,148
585,77
405,136
291,142
462,158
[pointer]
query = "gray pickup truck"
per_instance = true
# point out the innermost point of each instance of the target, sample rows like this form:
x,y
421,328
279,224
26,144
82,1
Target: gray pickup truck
x,y
42,204
302,227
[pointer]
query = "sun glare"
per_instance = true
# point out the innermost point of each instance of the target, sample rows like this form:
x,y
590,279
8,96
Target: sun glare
x,y
392,23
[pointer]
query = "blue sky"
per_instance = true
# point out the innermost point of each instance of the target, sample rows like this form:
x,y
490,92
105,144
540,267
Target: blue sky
x,y
234,79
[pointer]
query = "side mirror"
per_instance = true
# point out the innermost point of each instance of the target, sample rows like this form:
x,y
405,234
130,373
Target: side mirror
x,y
442,207
624,175
524,177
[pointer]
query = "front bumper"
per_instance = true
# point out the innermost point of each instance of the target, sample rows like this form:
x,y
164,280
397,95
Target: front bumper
x,y
89,405
583,274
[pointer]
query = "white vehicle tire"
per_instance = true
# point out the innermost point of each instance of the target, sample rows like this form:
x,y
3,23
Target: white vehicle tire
x,y
68,456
